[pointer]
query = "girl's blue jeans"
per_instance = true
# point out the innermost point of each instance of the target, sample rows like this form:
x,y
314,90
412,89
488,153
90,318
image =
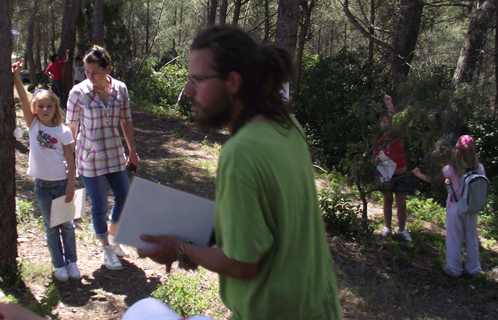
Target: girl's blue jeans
x,y
45,192
97,191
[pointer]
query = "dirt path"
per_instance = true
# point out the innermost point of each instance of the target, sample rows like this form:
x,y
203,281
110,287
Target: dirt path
x,y
375,283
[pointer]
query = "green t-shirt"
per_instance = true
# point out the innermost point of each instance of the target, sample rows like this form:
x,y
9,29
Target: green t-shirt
x,y
267,213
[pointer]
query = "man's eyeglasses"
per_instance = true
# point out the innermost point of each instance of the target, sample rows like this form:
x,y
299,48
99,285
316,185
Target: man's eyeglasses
x,y
196,80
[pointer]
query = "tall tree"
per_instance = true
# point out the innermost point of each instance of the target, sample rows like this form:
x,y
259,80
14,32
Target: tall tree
x,y
496,66
236,12
29,44
98,22
213,5
287,24
474,42
307,8
223,11
52,20
68,41
8,234
404,38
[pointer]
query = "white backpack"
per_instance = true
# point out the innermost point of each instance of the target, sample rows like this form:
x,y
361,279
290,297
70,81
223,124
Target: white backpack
x,y
475,190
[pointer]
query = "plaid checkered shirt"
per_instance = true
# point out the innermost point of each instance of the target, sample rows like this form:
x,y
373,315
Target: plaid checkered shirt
x,y
99,148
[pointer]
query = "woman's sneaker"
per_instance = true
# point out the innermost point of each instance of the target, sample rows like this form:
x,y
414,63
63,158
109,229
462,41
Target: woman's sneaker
x,y
73,271
404,235
61,274
120,251
386,232
110,259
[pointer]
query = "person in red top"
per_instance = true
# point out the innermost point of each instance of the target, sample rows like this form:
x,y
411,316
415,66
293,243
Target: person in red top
x,y
54,72
393,149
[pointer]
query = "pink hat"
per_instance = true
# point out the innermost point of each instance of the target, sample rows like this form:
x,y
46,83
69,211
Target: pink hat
x,y
465,142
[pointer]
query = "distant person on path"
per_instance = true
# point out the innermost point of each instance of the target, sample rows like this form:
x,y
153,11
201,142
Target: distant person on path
x,y
54,72
393,149
31,88
51,163
459,226
79,70
43,85
97,107
271,252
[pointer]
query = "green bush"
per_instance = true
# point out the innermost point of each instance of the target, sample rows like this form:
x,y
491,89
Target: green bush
x,y
328,89
183,293
162,88
341,216
426,209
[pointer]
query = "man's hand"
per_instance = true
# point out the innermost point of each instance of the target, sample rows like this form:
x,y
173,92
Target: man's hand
x,y
12,311
165,251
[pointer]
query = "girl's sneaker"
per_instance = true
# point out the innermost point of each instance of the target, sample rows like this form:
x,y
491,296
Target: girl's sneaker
x,y
73,271
449,273
61,274
386,232
404,235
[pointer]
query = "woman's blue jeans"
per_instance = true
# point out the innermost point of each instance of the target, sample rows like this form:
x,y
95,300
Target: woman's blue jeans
x,y
97,191
45,192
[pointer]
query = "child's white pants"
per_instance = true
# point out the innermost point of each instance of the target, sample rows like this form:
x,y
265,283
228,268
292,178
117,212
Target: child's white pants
x,y
461,227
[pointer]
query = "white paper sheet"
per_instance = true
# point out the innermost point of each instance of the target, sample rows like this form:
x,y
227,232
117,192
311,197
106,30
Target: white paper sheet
x,y
154,209
63,212
386,166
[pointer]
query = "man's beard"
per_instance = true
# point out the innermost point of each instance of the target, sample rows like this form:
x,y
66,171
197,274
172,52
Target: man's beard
x,y
213,118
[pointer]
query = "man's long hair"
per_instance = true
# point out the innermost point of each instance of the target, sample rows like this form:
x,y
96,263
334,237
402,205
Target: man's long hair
x,y
264,69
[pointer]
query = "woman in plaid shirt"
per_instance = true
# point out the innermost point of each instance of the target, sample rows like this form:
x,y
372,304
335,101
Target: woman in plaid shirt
x,y
97,106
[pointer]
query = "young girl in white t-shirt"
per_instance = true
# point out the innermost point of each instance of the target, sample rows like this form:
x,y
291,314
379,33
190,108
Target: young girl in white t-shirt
x,y
459,226
51,163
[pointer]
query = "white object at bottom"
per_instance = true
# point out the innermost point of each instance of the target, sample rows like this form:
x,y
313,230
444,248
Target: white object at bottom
x,y
154,309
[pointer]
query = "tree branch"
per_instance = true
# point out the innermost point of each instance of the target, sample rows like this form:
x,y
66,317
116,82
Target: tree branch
x,y
362,30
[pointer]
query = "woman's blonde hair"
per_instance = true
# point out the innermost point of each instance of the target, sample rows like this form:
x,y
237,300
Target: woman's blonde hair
x,y
46,94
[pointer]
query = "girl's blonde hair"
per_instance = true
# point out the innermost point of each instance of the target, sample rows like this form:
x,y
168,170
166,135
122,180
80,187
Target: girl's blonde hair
x,y
46,94
465,157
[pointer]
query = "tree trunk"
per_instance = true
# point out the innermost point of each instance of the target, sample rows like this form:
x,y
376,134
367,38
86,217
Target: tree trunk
x,y
29,44
52,38
405,41
38,47
287,25
372,30
474,43
307,9
181,23
8,224
496,65
266,37
98,22
223,12
68,40
147,29
236,12
212,12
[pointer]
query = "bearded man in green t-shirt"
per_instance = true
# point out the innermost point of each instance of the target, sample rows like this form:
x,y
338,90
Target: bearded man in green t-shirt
x,y
271,252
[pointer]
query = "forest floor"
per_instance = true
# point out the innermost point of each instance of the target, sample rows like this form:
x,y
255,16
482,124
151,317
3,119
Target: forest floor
x,y
378,279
